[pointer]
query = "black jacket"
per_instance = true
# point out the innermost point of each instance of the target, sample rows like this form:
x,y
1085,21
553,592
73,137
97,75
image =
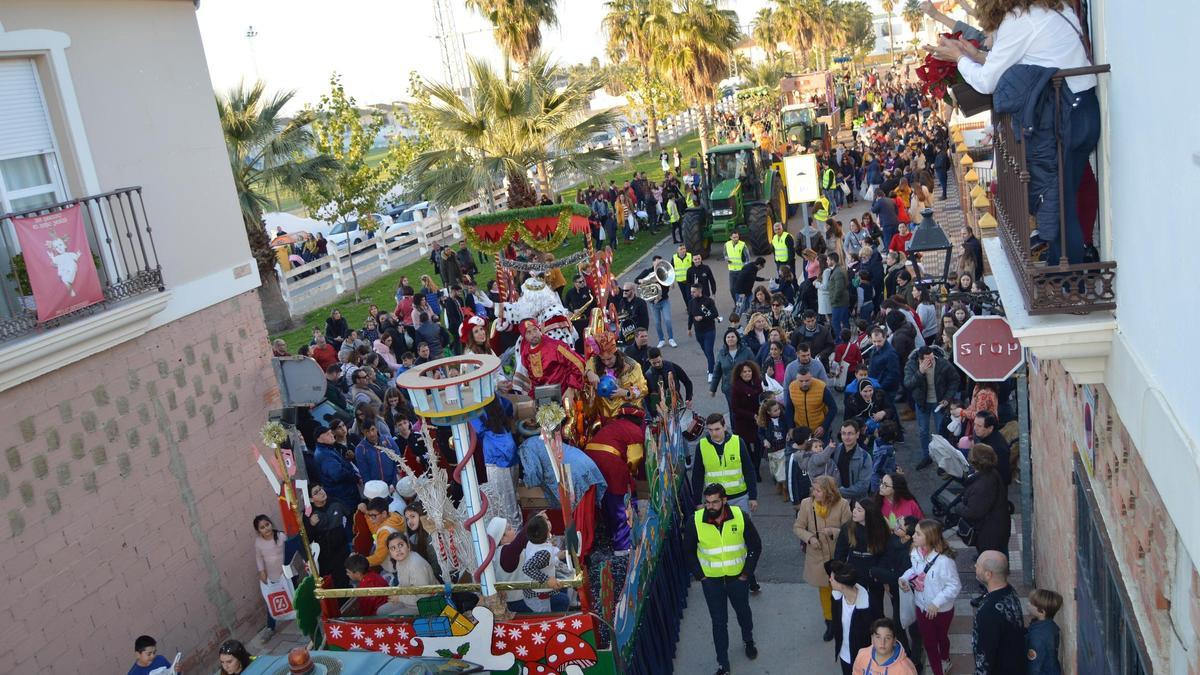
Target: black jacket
x,y
632,314
706,308
986,508
336,330
860,627
747,277
682,381
995,441
945,378
702,275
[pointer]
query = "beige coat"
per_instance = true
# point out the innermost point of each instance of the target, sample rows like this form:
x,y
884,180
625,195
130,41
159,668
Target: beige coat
x,y
826,530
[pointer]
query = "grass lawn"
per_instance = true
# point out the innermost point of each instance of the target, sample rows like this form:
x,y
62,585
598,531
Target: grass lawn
x,y
382,290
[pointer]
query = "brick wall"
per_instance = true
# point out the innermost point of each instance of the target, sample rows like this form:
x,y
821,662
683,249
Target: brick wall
x,y
1142,534
127,493
1051,401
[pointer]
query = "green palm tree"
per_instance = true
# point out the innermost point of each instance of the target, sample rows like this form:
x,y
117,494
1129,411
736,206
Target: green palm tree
x,y
635,30
889,6
512,124
699,51
266,155
913,16
801,21
766,29
517,24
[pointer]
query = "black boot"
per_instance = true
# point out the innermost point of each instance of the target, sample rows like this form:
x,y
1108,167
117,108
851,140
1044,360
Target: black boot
x,y
828,636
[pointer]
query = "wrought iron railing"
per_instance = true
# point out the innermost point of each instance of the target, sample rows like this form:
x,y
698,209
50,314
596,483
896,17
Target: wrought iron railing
x,y
1048,289
122,246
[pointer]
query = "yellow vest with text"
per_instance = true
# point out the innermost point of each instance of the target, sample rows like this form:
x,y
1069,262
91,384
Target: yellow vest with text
x,y
827,179
735,254
780,243
681,265
809,406
722,551
725,470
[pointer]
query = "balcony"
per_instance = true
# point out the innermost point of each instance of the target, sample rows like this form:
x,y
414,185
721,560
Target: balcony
x,y
119,236
1057,289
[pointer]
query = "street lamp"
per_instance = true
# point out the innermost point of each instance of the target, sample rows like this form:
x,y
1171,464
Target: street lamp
x,y
929,238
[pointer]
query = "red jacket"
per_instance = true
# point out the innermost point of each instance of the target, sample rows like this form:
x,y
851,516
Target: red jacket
x,y
325,355
368,606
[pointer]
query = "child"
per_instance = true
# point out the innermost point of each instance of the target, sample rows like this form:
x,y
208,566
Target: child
x,y
883,455
806,465
1042,638
268,554
404,568
773,428
541,564
406,361
360,574
148,661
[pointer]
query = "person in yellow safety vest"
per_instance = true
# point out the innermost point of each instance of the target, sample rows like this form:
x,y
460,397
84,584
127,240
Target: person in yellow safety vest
x,y
785,249
675,220
737,255
829,187
821,215
723,547
682,262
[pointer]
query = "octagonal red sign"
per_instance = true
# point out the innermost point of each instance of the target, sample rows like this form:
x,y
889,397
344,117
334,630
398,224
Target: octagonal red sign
x,y
985,349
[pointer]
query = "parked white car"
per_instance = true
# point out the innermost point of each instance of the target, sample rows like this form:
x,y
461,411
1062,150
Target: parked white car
x,y
350,232
403,222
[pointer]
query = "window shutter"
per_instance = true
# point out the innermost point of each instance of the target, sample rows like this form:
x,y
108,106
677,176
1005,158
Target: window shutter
x,y
24,124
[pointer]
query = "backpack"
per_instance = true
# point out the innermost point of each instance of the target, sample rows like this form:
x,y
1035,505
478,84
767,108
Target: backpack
x,y
883,462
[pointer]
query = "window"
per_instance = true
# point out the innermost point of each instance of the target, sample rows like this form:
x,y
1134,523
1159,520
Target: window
x,y
1108,634
29,168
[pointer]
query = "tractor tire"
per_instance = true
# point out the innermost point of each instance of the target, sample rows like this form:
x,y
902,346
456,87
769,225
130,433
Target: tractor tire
x,y
756,229
693,232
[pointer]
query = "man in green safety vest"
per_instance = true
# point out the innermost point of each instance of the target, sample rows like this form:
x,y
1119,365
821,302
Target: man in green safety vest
x,y
724,457
723,548
682,262
737,255
828,187
785,249
675,219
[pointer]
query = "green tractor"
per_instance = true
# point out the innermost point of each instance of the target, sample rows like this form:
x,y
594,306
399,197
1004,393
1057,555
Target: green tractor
x,y
741,192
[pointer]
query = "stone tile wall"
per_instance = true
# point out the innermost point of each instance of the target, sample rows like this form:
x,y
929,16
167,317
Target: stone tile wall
x,y
127,491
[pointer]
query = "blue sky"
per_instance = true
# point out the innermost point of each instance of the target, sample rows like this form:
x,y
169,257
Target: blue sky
x,y
374,44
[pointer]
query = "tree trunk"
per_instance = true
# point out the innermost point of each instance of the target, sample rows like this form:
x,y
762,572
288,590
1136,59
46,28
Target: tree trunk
x,y
702,123
276,314
275,311
544,181
651,112
891,40
520,193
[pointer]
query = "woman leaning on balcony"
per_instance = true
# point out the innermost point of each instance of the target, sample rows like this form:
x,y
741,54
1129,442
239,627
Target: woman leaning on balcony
x,y
1043,33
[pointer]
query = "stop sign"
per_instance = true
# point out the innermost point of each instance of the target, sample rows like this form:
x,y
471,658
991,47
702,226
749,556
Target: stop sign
x,y
986,350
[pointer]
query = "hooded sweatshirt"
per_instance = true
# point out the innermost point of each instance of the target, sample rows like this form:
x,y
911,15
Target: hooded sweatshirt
x,y
897,664
393,523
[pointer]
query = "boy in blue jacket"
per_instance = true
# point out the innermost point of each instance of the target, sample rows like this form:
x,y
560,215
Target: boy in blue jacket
x,y
1041,640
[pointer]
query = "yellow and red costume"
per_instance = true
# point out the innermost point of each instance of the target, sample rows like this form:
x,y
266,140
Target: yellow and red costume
x,y
626,371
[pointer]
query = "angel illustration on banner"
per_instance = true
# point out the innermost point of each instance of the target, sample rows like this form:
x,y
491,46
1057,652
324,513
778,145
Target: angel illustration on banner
x,y
66,261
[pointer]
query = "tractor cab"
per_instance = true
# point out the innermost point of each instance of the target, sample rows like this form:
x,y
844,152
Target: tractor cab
x,y
799,125
740,194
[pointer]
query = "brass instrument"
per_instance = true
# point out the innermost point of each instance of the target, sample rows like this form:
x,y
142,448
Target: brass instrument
x,y
650,287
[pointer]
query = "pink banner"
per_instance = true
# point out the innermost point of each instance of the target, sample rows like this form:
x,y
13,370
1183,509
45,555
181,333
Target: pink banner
x,y
59,262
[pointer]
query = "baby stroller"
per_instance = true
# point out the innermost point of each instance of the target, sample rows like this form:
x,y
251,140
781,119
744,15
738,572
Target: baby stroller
x,y
952,462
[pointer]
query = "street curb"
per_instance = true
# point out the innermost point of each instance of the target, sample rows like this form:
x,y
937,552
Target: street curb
x,y
637,262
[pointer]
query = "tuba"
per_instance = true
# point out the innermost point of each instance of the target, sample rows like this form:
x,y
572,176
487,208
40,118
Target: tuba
x,y
650,287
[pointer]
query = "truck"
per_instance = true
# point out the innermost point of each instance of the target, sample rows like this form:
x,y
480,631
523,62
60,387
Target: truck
x,y
742,191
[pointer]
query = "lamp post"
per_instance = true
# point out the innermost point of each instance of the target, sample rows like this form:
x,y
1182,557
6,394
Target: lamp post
x,y
928,237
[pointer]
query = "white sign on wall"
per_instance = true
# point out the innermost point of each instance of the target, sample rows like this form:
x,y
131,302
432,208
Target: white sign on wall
x,y
802,185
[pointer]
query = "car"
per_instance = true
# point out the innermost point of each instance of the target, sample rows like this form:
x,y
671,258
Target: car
x,y
350,232
403,222
395,210
600,139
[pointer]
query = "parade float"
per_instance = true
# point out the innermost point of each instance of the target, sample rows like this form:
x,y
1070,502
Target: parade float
x,y
630,594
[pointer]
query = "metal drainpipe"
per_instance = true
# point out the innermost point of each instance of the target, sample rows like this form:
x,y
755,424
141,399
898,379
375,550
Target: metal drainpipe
x,y
1026,476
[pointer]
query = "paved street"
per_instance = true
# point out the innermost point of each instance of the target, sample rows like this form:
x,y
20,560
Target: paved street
x,y
788,624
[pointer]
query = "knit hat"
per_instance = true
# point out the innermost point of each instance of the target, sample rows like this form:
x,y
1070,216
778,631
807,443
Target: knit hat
x,y
496,527
375,488
406,487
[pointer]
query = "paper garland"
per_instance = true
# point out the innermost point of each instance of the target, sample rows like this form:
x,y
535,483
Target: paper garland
x,y
493,232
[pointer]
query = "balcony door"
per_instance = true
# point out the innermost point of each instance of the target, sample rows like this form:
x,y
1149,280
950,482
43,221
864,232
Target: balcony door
x,y
30,174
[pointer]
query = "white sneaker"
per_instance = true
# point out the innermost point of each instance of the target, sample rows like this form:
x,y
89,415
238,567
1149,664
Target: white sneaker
x,y
672,342
660,344
710,377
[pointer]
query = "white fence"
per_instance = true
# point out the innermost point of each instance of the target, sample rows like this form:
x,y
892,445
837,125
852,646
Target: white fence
x,y
320,282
